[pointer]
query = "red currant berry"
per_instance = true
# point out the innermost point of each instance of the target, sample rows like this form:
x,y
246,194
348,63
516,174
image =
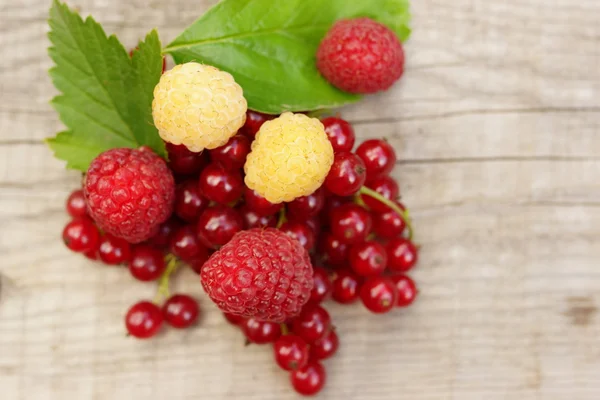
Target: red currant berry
x,y
184,162
388,225
81,235
340,134
92,254
379,157
232,155
402,255
306,207
253,220
188,201
333,250
346,287
301,232
309,380
325,347
254,120
76,204
312,324
185,244
233,319
180,311
368,258
385,186
143,320
322,285
147,263
291,352
114,250
314,224
260,332
218,224
407,290
259,204
221,185
350,223
162,239
379,294
332,203
198,262
347,174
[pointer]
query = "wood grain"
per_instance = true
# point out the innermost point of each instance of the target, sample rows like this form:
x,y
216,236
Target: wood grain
x,y
496,124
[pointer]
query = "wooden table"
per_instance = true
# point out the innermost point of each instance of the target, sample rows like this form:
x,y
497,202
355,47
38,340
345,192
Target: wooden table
x,y
497,126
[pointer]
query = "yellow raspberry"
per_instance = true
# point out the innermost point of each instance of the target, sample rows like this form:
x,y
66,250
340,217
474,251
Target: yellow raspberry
x,y
290,158
198,106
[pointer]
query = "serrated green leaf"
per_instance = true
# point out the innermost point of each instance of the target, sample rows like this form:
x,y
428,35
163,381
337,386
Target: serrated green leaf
x,y
270,47
106,96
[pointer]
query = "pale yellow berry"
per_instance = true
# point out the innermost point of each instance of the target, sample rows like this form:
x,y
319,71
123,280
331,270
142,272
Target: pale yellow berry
x,y
290,158
198,106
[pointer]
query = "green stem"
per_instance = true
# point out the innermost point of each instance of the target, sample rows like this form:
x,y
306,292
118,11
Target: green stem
x,y
163,283
402,213
284,329
282,219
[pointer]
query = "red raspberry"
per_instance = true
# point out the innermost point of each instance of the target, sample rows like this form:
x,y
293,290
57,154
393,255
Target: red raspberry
x,y
361,56
261,273
129,193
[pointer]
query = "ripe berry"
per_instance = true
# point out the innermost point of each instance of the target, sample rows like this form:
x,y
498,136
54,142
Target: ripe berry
x,y
147,263
332,203
340,134
92,254
379,294
232,155
306,207
114,250
368,258
407,290
254,120
312,324
345,287
379,157
143,320
322,285
309,380
347,174
253,220
217,225
301,232
385,186
325,347
291,352
81,235
185,244
350,223
233,319
220,184
189,203
402,255
198,262
180,311
260,332
259,204
76,204
388,225
184,162
162,238
333,250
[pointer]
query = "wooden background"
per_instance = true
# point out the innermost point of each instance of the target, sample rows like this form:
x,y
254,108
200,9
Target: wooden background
x,y
497,126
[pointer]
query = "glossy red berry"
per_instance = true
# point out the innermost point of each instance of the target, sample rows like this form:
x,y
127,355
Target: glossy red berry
x,y
259,204
350,223
322,285
260,332
76,204
232,155
254,120
402,255
143,320
185,244
197,263
233,319
189,203
306,207
333,250
325,347
388,225
162,238
345,287
385,186
291,352
220,184
114,250
253,220
184,162
331,203
92,254
309,380
81,235
379,294
347,174
147,263
368,258
379,157
301,232
180,311
218,224
407,290
340,134
312,324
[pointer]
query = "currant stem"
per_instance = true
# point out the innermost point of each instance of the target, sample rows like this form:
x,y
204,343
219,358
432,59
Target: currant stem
x,y
284,329
163,283
282,219
402,213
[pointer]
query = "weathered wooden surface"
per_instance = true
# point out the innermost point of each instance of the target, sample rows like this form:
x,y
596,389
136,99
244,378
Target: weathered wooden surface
x,y
497,125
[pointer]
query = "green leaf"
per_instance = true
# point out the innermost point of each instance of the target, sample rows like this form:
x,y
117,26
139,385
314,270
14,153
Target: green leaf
x,y
106,99
270,48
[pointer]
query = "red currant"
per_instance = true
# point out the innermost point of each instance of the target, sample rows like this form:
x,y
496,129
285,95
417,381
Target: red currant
x,y
254,120
301,232
188,201
218,224
407,290
350,223
185,244
385,186
333,250
309,380
184,162
345,287
368,258
332,203
233,319
220,184
162,238
92,254
76,204
180,311
379,157
326,347
259,204
312,324
81,235
347,174
340,134
147,263
379,294
291,352
232,155
143,320
388,225
114,250
306,207
260,332
198,262
253,220
402,255
322,285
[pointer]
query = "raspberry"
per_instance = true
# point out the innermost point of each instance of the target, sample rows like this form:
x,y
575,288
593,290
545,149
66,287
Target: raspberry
x,y
198,106
261,273
361,56
129,193
290,158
